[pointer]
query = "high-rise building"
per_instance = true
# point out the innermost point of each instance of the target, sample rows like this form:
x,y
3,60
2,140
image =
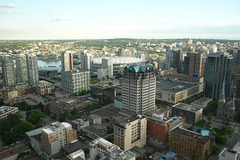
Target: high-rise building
x,y
189,144
57,135
130,132
193,64
138,89
237,86
177,60
86,62
169,55
75,82
218,68
9,78
32,69
108,65
21,68
67,61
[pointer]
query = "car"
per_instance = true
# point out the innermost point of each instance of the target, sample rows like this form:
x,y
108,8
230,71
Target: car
x,y
82,138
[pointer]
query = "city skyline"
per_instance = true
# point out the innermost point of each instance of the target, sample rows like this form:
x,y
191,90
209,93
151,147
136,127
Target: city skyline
x,y
107,19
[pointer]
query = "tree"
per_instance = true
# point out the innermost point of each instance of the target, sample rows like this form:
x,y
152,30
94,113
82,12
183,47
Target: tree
x,y
215,148
110,83
4,126
34,117
8,137
1,102
226,121
220,139
22,154
22,128
14,119
209,116
66,113
211,107
75,111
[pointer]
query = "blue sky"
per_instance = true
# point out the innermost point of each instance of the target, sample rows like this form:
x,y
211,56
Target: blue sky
x,y
90,19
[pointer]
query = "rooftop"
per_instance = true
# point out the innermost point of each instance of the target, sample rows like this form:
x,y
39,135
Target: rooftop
x,y
119,60
171,86
194,135
5,109
54,126
73,147
187,107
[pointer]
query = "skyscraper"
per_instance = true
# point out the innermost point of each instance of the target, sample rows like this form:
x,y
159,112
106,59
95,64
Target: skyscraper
x,y
138,89
32,69
177,60
9,78
218,68
193,64
21,68
169,55
108,65
67,61
86,61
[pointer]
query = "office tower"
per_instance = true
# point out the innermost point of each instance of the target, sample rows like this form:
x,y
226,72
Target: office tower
x,y
32,69
218,68
75,82
237,86
169,55
21,68
189,144
138,89
177,60
213,49
103,149
67,61
57,135
238,57
193,64
8,70
86,62
131,132
108,65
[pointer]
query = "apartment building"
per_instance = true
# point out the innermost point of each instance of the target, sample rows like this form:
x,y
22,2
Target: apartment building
x,y
189,144
57,135
6,110
130,132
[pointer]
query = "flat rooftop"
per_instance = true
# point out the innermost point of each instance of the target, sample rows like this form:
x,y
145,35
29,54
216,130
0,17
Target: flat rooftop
x,y
171,86
191,134
107,112
5,109
187,107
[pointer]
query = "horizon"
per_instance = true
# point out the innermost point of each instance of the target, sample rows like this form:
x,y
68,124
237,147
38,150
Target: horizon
x,y
59,19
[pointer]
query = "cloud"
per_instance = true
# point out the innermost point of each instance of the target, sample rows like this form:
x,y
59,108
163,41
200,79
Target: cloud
x,y
2,12
61,19
17,12
9,5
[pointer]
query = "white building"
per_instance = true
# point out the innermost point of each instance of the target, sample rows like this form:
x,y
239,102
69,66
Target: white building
x,y
6,110
86,62
107,64
78,155
67,61
227,154
106,150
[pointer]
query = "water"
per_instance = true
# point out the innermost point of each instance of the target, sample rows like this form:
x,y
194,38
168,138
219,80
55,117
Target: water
x,y
45,65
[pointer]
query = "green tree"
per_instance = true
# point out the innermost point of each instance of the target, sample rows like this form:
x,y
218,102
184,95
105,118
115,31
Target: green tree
x,y
221,139
4,126
75,111
22,154
14,119
209,116
22,128
1,102
110,83
34,117
226,121
211,107
215,148
66,113
8,137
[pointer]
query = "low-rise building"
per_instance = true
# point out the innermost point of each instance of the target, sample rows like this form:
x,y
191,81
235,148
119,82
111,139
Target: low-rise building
x,y
6,110
130,132
228,154
159,126
189,144
57,135
191,113
43,88
106,150
173,91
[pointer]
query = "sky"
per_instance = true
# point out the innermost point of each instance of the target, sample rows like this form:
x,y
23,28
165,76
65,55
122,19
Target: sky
x,y
102,19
